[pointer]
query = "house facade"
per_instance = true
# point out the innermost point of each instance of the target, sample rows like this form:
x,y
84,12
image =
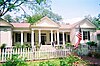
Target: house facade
x,y
45,32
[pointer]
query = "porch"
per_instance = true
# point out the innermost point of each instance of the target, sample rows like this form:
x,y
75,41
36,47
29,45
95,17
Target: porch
x,y
41,37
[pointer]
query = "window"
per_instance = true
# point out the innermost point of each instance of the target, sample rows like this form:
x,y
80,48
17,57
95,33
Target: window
x,y
28,37
18,37
86,35
68,37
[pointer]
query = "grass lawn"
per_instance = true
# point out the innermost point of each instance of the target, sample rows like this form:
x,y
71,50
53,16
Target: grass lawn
x,y
36,63
67,61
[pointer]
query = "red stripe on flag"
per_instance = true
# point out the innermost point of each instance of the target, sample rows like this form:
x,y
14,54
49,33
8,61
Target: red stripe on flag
x,y
79,39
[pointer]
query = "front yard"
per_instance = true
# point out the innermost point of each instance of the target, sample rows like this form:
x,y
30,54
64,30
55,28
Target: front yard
x,y
70,60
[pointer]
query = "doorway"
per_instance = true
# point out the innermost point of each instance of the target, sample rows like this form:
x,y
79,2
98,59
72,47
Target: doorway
x,y
43,38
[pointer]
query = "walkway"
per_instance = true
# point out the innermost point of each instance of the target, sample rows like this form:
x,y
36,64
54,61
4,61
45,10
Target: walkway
x,y
93,61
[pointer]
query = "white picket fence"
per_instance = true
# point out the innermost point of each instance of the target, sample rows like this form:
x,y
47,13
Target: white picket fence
x,y
33,54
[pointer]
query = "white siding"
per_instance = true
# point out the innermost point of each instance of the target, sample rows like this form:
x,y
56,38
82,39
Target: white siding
x,y
6,37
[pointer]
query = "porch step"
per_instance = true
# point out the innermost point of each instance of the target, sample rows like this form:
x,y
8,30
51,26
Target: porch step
x,y
47,48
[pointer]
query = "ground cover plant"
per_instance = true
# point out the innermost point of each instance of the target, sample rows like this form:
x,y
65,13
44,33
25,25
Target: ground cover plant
x,y
15,60
70,60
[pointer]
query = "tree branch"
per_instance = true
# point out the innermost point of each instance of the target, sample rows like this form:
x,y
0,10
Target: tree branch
x,y
3,3
22,9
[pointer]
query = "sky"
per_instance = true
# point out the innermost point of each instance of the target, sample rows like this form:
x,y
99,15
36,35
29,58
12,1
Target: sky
x,y
74,10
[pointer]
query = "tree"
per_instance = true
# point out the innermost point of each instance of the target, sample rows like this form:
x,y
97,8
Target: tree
x,y
50,14
34,18
96,21
41,13
10,5
8,18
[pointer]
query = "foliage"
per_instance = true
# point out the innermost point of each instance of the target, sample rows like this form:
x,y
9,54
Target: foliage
x,y
96,22
17,45
94,54
70,60
91,43
40,13
49,13
69,45
34,18
3,46
15,61
10,5
48,63
8,18
22,46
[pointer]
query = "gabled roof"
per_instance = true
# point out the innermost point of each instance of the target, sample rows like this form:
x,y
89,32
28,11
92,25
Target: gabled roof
x,y
65,26
45,22
5,23
21,25
85,23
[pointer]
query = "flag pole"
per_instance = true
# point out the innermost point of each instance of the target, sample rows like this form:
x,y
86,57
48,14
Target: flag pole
x,y
79,36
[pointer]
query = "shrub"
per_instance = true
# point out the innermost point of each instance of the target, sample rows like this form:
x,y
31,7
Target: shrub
x,y
94,54
71,60
3,46
91,43
48,63
68,45
15,61
17,45
22,46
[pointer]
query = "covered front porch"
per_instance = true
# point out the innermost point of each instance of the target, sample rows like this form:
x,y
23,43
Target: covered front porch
x,y
41,37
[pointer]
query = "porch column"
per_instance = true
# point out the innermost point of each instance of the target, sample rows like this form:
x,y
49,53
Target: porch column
x,y
51,36
21,37
82,34
63,39
55,36
39,36
58,37
32,38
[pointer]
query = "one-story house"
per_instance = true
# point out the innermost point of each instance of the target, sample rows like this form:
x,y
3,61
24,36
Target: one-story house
x,y
45,32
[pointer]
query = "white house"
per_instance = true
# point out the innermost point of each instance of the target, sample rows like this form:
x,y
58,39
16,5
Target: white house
x,y
44,32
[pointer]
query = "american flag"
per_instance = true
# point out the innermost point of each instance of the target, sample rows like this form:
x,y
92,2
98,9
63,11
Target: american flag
x,y
79,35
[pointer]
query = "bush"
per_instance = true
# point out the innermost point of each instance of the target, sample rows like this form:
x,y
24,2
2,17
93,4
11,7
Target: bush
x,y
71,60
22,46
94,54
3,46
91,43
68,45
48,63
15,61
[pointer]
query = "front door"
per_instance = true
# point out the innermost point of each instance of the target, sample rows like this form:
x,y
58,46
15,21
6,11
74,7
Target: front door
x,y
43,38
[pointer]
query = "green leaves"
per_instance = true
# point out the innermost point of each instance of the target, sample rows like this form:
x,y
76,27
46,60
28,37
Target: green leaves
x,y
34,18
1,2
40,1
10,5
16,60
